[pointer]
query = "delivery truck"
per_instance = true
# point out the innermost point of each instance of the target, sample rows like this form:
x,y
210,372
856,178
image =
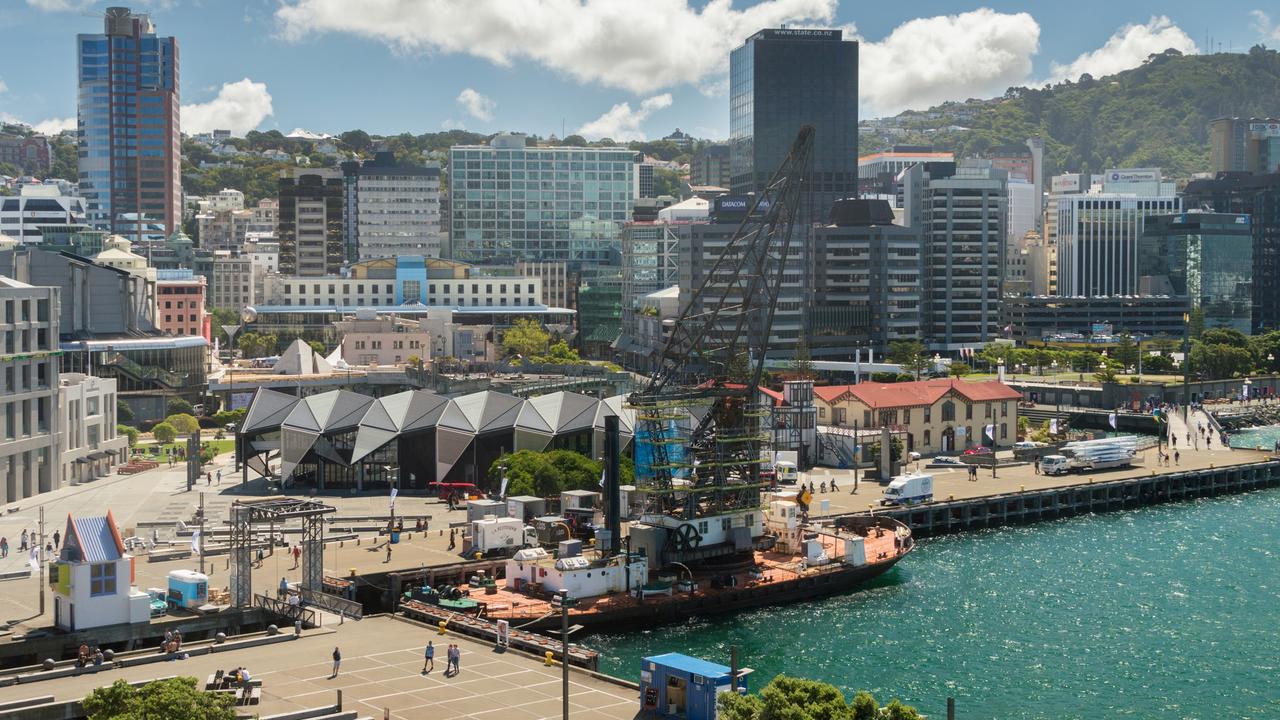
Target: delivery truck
x,y
911,489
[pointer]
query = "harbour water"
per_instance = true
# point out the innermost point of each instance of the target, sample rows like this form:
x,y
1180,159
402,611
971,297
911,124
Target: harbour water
x,y
1168,611
1264,437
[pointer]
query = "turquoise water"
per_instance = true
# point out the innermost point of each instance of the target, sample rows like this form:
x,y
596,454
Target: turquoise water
x,y
1254,437
1164,612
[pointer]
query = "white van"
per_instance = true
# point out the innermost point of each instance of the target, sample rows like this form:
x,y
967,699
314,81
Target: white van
x,y
787,472
1055,465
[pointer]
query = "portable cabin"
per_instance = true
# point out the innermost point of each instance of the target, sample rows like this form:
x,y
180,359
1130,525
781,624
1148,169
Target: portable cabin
x,y
93,578
188,589
526,507
478,509
676,685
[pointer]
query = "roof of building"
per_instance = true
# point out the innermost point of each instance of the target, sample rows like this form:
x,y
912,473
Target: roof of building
x,y
692,665
97,539
300,359
921,392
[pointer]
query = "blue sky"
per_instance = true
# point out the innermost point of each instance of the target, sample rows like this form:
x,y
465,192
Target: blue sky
x,y
623,68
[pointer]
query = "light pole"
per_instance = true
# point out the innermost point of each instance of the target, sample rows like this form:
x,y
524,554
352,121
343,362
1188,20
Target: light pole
x,y
1186,364
565,602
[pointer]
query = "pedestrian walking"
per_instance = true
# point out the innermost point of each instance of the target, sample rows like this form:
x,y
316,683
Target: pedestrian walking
x,y
337,662
4,547
453,538
1173,440
1037,464
388,551
22,544
833,485
429,658
57,539
208,480
284,586
1177,456
219,476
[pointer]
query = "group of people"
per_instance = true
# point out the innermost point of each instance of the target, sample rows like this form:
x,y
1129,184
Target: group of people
x,y
28,540
453,654
86,656
239,677
172,641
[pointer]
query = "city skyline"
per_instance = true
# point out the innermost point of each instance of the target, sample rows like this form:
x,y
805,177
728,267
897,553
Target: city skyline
x,y
630,72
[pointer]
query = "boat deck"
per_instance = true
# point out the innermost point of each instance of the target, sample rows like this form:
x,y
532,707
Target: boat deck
x,y
505,603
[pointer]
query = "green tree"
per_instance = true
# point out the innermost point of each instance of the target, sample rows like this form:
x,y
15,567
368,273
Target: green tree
x,y
1224,336
864,706
129,432
959,369
895,451
788,698
739,369
164,433
317,347
357,141
123,412
183,423
545,474
228,417
1266,348
561,354
220,318
910,355
176,697
178,406
1106,372
526,338
1126,353
1216,362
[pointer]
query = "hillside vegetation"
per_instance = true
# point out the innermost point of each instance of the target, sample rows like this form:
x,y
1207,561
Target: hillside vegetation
x,y
1155,115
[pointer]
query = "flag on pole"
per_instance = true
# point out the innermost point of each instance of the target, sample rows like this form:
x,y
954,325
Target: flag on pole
x,y
394,492
602,477
1053,426
991,432
502,491
195,541
1112,419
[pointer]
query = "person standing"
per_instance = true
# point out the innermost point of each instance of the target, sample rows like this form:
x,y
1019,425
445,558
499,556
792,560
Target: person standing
x,y
1037,464
219,476
337,661
284,587
1176,457
22,543
4,547
429,658
57,539
457,659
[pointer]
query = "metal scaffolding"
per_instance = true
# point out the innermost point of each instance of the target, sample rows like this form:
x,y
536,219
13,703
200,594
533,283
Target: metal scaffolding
x,y
246,514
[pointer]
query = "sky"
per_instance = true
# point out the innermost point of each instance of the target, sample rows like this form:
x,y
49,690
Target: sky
x,y
625,69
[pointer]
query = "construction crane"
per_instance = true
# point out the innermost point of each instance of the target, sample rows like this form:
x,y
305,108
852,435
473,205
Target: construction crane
x,y
701,432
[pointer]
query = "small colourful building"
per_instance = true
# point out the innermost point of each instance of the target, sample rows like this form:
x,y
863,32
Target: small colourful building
x,y
93,578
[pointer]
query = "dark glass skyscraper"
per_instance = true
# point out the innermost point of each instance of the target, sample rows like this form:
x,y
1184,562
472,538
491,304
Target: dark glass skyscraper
x,y
127,127
1207,257
780,80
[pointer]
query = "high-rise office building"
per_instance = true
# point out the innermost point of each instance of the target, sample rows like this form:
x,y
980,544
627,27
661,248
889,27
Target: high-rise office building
x,y
128,133
310,224
1244,145
391,208
36,207
1257,196
512,202
1097,232
1204,257
780,80
710,167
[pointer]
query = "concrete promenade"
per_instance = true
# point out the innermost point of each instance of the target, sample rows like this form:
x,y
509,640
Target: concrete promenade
x,y
381,670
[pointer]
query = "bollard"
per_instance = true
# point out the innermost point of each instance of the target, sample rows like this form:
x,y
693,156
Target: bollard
x,y
550,658
443,624
357,540
297,628
352,571
1090,481
1022,488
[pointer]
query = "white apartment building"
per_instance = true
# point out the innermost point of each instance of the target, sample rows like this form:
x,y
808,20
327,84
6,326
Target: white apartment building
x,y
479,291
223,229
35,206
28,389
88,444
368,339
391,209
233,281
225,199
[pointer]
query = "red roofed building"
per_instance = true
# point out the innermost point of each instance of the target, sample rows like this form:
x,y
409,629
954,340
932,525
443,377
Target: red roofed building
x,y
944,415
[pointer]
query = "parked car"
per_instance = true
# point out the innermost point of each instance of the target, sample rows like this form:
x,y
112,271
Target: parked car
x,y
980,450
159,605
1029,445
946,460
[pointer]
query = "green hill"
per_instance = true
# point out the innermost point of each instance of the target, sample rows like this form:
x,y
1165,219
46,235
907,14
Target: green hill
x,y
1155,115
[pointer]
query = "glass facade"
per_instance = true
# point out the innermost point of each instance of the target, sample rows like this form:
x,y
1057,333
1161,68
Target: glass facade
x,y
780,80
539,203
127,127
1206,257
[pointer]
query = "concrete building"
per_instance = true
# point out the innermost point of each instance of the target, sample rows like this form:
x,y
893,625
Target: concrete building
x,y
310,225
644,187
226,199
963,216
29,392
554,277
1042,265
646,329
1097,232
1204,257
88,445
128,133
391,208
36,207
370,339
650,256
265,259
937,416
180,303
1244,145
117,252
1257,196
779,80
510,202
710,166
878,172
233,282
223,229
1032,318
408,280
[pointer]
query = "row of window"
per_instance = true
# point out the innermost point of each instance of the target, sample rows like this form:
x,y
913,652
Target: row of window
x,y
891,416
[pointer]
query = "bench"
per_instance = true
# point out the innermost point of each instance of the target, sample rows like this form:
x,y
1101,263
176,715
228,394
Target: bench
x,y
249,696
163,555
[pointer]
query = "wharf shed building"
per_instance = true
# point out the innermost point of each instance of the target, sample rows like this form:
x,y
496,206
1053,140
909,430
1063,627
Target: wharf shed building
x,y
342,440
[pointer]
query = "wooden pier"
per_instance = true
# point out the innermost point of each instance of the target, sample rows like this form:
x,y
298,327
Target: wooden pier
x,y
1087,496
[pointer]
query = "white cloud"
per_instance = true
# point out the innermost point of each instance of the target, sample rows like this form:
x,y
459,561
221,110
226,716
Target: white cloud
x,y
239,107
949,57
636,46
1262,23
53,126
622,123
60,5
476,105
3,87
1129,47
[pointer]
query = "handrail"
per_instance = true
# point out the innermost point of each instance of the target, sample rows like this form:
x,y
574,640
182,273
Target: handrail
x,y
167,378
332,603
293,613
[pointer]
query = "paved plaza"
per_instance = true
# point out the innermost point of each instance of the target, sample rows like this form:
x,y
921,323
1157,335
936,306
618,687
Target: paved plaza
x,y
382,671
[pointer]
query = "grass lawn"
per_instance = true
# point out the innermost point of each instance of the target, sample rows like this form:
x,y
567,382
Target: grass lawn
x,y
219,446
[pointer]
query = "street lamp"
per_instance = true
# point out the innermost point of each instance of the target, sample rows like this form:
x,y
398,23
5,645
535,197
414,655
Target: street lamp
x,y
562,599
1186,364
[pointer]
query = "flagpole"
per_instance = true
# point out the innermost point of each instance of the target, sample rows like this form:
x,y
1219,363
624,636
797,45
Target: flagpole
x,y
201,531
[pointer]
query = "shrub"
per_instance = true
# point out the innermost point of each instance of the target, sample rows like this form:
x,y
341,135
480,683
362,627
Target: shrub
x,y
183,423
164,433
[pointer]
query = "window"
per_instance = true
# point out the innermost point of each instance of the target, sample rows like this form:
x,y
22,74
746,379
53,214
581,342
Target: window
x,y
948,411
906,416
968,412
822,413
1004,431
1004,409
928,417
986,409
102,579
928,438
702,527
